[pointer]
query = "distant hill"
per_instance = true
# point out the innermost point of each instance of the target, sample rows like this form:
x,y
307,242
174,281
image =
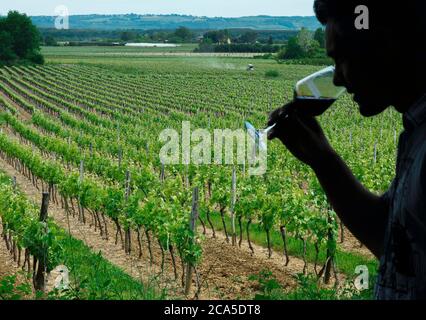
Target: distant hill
x,y
165,22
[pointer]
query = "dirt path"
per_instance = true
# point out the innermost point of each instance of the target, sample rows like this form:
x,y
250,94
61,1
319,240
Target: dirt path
x,y
223,272
8,267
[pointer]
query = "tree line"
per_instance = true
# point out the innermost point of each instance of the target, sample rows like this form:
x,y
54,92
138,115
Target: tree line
x,y
52,36
19,40
303,45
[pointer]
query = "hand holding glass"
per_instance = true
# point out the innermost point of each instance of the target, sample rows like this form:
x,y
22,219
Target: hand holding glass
x,y
316,93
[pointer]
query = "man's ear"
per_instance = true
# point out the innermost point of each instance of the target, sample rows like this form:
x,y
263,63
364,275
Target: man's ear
x,y
385,44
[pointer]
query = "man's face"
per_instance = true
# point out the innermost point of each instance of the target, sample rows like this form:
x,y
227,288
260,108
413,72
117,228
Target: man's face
x,y
364,69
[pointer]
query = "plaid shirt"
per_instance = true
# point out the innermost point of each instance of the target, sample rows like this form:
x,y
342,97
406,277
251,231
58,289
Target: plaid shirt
x,y
402,272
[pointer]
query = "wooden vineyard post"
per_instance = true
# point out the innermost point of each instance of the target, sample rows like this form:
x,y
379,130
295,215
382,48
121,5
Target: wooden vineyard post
x,y
192,227
162,174
80,207
14,183
120,157
375,152
39,278
330,253
233,200
91,150
270,99
127,236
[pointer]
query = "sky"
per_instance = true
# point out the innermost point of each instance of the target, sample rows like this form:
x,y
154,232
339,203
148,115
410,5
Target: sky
x,y
209,8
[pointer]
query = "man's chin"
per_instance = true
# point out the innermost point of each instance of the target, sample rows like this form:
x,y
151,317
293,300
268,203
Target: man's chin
x,y
370,109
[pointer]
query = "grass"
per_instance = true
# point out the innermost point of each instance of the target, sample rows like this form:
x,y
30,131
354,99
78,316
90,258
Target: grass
x,y
93,277
131,63
109,50
307,289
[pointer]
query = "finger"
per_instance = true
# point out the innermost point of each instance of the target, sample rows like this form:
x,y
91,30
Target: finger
x,y
274,116
272,134
284,127
280,112
293,127
279,125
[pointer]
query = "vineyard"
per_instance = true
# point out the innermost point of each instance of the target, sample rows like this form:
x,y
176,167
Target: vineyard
x,y
88,135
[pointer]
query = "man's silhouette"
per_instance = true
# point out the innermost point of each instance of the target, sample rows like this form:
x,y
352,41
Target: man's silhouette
x,y
383,66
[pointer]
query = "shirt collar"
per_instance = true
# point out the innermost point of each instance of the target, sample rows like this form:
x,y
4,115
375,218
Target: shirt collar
x,y
416,115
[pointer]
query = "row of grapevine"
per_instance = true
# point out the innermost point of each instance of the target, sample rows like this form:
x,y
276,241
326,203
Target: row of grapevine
x,y
106,125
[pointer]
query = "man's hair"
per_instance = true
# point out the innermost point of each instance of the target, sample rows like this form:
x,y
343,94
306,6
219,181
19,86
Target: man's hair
x,y
406,20
326,10
410,13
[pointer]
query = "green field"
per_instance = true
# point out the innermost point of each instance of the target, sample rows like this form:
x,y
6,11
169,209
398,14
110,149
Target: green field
x,y
119,50
108,106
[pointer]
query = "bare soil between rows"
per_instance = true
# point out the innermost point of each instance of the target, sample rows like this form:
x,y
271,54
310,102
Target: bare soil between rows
x,y
8,267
